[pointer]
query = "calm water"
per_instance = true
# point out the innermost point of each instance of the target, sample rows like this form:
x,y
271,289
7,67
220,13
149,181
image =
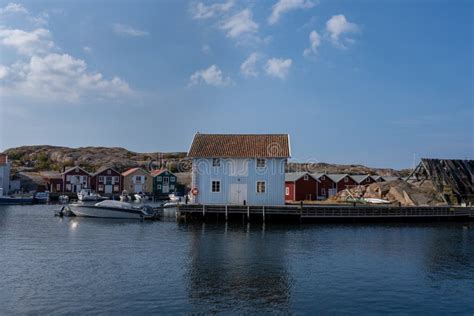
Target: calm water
x,y
73,265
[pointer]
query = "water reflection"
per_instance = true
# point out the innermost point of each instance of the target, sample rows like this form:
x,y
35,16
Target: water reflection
x,y
234,265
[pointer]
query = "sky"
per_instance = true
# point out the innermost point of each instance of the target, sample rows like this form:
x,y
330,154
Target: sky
x,y
380,83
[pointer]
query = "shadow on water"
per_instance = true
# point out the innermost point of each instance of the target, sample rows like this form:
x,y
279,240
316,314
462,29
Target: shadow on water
x,y
221,271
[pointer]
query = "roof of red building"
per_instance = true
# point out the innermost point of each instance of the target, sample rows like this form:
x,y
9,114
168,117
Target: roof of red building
x,y
240,146
157,172
132,170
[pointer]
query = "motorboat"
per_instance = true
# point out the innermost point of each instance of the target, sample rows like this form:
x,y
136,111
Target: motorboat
x,y
376,201
63,199
174,198
42,197
139,197
15,200
88,195
113,209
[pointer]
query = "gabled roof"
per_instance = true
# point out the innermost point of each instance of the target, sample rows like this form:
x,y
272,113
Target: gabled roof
x,y
336,177
295,176
359,177
240,146
390,178
103,169
132,170
157,172
73,168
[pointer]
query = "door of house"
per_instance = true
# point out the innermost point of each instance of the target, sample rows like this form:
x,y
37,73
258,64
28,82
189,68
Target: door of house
x,y
166,185
138,188
108,189
238,193
332,192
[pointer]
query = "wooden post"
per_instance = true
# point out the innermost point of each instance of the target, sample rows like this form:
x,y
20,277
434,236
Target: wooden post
x,y
226,213
248,212
203,210
263,211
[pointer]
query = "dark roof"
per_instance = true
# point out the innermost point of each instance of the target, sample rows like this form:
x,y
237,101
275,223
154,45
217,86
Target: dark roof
x,y
102,169
240,146
295,176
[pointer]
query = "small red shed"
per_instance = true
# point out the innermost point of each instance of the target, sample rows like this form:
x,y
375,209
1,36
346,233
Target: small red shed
x,y
300,186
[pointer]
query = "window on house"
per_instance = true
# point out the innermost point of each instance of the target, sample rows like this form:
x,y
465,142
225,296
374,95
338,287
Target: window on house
x,y
159,179
216,162
101,178
323,191
216,186
58,187
68,187
109,171
261,162
260,186
173,179
323,178
101,187
158,187
172,187
68,178
306,177
287,191
116,188
346,179
116,179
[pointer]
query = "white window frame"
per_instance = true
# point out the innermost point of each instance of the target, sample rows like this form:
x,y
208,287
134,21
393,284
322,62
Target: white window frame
x,y
212,186
259,161
159,178
171,186
323,191
58,187
323,178
287,191
158,186
109,171
346,179
68,178
101,178
264,186
216,162
173,179
306,177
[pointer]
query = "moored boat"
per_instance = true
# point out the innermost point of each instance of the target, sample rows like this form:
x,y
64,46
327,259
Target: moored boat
x,y
113,209
88,195
15,200
42,197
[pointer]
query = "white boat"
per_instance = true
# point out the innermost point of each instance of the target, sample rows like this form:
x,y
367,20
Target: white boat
x,y
174,198
376,201
63,199
113,209
42,197
88,195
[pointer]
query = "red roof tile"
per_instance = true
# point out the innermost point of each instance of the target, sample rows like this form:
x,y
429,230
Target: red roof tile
x,y
240,146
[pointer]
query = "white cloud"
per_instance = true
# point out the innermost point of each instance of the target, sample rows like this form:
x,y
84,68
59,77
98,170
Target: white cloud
x,y
60,77
212,76
27,43
337,26
278,68
201,11
128,30
240,24
248,67
13,8
87,49
3,71
283,6
314,41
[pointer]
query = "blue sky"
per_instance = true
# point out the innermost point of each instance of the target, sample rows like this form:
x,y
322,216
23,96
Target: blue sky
x,y
369,82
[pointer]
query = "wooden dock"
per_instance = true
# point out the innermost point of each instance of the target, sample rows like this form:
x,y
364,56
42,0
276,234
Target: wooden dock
x,y
322,212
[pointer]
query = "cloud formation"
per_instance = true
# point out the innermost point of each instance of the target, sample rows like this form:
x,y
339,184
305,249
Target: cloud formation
x,y
314,43
278,67
240,24
60,77
128,30
200,11
212,76
42,72
284,6
337,26
27,43
248,67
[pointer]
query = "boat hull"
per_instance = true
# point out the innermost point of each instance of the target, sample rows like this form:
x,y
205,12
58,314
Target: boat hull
x,y
106,212
15,201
